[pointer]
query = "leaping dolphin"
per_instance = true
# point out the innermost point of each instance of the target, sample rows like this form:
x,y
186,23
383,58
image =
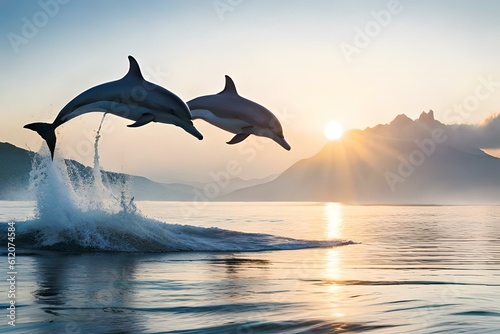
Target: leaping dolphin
x,y
231,112
131,97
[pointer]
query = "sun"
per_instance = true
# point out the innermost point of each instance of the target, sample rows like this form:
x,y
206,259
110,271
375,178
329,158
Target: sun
x,y
333,130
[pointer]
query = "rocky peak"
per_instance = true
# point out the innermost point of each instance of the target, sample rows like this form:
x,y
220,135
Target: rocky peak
x,y
427,117
401,120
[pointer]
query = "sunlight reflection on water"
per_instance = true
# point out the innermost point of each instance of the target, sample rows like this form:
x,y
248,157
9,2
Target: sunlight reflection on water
x,y
414,270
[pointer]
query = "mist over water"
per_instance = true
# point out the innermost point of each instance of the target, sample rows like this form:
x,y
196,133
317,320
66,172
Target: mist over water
x,y
78,210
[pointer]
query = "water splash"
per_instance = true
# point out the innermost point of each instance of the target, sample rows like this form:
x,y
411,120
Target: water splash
x,y
84,209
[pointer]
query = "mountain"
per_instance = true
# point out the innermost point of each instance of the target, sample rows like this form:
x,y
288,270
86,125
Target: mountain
x,y
407,161
16,165
232,185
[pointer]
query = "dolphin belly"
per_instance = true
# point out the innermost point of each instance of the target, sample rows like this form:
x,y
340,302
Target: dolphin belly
x,y
233,125
135,113
119,109
234,113
151,103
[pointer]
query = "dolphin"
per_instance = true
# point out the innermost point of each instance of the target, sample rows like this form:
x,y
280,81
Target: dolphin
x,y
131,97
234,113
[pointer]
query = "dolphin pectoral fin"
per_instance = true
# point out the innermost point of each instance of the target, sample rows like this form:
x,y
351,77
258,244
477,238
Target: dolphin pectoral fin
x,y
143,120
238,138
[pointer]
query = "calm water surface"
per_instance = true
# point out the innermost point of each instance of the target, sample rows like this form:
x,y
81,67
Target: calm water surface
x,y
413,269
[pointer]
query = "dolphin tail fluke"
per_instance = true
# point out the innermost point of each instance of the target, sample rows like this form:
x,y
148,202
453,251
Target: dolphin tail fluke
x,y
47,132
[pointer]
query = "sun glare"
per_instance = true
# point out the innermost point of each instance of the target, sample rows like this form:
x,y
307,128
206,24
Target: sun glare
x,y
333,130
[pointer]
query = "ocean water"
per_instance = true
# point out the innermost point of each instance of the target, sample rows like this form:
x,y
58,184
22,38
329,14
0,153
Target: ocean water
x,y
89,259
416,269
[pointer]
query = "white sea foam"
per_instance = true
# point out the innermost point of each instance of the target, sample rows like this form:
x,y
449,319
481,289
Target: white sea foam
x,y
80,209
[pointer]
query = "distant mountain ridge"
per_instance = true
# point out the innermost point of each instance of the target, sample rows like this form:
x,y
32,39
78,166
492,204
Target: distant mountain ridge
x,y
16,164
15,167
407,161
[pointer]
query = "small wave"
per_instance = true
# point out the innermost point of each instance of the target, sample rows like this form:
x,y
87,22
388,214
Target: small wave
x,y
292,327
409,282
131,232
478,313
80,209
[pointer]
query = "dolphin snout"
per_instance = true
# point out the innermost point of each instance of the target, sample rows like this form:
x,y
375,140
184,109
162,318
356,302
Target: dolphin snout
x,y
189,128
198,135
283,143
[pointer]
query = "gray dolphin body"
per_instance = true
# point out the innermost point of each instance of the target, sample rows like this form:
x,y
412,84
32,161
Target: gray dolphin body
x,y
233,113
131,97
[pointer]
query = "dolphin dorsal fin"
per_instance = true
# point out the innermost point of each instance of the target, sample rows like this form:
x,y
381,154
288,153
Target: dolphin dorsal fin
x,y
134,69
230,87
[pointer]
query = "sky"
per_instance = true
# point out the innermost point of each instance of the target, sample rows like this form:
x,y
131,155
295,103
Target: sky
x,y
310,62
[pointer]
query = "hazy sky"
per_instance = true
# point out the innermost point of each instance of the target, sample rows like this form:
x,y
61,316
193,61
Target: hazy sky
x,y
356,62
